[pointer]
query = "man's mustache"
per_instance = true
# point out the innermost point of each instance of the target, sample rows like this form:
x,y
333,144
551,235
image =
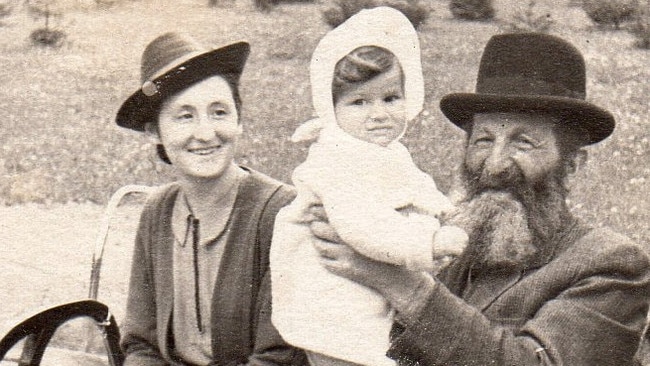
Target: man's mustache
x,y
511,180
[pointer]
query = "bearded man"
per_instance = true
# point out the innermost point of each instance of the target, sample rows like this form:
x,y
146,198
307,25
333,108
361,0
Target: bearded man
x,y
536,286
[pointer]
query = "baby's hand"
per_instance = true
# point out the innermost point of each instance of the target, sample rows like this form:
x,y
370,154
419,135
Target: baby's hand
x,y
449,241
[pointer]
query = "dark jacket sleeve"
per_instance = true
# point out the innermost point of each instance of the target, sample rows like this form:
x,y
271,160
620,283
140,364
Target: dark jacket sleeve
x,y
139,336
594,320
269,348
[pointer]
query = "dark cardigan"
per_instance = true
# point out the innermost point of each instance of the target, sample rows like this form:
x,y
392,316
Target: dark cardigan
x,y
242,332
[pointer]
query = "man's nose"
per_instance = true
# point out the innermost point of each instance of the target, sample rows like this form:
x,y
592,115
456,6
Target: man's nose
x,y
499,160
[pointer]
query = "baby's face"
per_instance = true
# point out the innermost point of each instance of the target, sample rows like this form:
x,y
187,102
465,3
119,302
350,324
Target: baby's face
x,y
374,111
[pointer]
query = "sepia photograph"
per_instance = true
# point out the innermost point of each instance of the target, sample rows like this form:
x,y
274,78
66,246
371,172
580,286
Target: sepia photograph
x,y
325,182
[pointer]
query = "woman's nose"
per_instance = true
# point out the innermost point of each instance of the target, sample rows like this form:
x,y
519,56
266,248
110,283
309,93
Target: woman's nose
x,y
204,129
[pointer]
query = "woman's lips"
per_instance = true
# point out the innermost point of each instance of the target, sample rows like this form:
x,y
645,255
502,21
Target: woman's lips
x,y
204,150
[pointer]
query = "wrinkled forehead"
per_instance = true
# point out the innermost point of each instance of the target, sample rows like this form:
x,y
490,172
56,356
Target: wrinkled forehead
x,y
539,124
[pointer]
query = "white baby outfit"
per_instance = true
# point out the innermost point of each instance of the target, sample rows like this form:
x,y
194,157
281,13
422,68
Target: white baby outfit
x,y
375,197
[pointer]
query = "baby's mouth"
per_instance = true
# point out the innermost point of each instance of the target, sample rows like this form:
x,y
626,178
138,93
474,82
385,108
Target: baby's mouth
x,y
380,129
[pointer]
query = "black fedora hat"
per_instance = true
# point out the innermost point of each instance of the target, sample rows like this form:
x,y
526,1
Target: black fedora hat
x,y
171,63
531,73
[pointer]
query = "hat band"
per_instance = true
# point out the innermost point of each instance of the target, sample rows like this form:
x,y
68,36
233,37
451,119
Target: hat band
x,y
525,86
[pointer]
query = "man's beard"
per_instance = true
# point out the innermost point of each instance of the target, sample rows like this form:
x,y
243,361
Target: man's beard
x,y
509,220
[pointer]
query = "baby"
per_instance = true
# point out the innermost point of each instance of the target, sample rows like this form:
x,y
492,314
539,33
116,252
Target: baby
x,y
366,84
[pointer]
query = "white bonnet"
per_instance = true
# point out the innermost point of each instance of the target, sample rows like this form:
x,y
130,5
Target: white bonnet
x,y
381,26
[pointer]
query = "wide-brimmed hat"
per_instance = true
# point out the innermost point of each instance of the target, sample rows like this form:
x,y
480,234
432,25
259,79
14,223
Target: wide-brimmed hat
x,y
532,73
171,63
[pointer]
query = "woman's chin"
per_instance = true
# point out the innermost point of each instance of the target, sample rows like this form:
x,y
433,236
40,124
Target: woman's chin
x,y
204,167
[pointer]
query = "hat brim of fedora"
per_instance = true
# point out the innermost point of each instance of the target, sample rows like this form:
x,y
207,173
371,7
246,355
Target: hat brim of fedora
x,y
140,108
575,114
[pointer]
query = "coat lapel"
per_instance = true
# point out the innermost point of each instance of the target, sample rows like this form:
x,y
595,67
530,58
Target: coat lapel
x,y
164,255
486,286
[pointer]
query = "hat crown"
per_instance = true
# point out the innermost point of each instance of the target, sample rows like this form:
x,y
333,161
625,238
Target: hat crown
x,y
531,64
166,51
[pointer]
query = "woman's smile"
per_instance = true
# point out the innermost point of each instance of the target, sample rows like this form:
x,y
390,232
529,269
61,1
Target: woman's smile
x,y
204,150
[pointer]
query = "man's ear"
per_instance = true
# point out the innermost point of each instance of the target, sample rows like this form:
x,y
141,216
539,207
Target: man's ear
x,y
151,131
578,161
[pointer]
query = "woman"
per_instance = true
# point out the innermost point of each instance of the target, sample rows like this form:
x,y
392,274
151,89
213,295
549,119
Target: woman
x,y
199,293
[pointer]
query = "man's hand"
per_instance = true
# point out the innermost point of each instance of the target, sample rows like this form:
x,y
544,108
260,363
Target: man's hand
x,y
397,284
319,225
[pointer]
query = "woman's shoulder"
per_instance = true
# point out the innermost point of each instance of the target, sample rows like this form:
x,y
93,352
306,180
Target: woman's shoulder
x,y
161,196
262,187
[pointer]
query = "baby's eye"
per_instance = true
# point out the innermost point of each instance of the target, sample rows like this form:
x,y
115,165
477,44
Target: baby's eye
x,y
219,113
392,98
359,102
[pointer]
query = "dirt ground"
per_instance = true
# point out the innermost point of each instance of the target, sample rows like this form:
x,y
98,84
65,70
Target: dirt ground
x,y
46,255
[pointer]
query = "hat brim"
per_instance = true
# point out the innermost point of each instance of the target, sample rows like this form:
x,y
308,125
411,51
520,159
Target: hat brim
x,y
575,114
140,108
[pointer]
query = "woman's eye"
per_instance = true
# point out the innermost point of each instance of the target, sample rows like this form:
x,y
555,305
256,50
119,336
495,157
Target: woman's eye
x,y
392,98
184,117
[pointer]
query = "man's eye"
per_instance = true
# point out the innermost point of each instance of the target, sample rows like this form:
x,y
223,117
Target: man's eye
x,y
482,142
524,143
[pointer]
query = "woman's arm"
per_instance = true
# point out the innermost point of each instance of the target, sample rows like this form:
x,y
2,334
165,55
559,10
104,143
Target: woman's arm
x,y
270,349
139,333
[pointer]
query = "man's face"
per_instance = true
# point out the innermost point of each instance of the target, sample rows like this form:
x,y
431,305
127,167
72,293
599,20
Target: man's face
x,y
514,176
502,143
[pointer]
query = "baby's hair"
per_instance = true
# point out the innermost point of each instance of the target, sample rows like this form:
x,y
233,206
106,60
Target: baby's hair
x,y
361,65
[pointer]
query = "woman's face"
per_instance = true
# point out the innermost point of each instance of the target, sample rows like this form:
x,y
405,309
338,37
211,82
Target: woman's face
x,y
199,128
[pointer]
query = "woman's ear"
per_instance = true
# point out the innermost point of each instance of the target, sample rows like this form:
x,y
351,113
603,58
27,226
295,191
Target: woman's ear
x,y
578,161
151,131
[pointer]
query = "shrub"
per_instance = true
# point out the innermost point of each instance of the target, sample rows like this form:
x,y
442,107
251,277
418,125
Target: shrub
x,y
415,10
45,37
46,9
472,9
6,8
529,20
266,5
641,28
610,12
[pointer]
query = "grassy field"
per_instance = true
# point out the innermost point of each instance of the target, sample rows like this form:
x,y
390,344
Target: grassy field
x,y
62,150
59,142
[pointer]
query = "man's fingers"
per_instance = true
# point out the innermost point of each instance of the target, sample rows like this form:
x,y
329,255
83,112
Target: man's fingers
x,y
324,231
318,212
